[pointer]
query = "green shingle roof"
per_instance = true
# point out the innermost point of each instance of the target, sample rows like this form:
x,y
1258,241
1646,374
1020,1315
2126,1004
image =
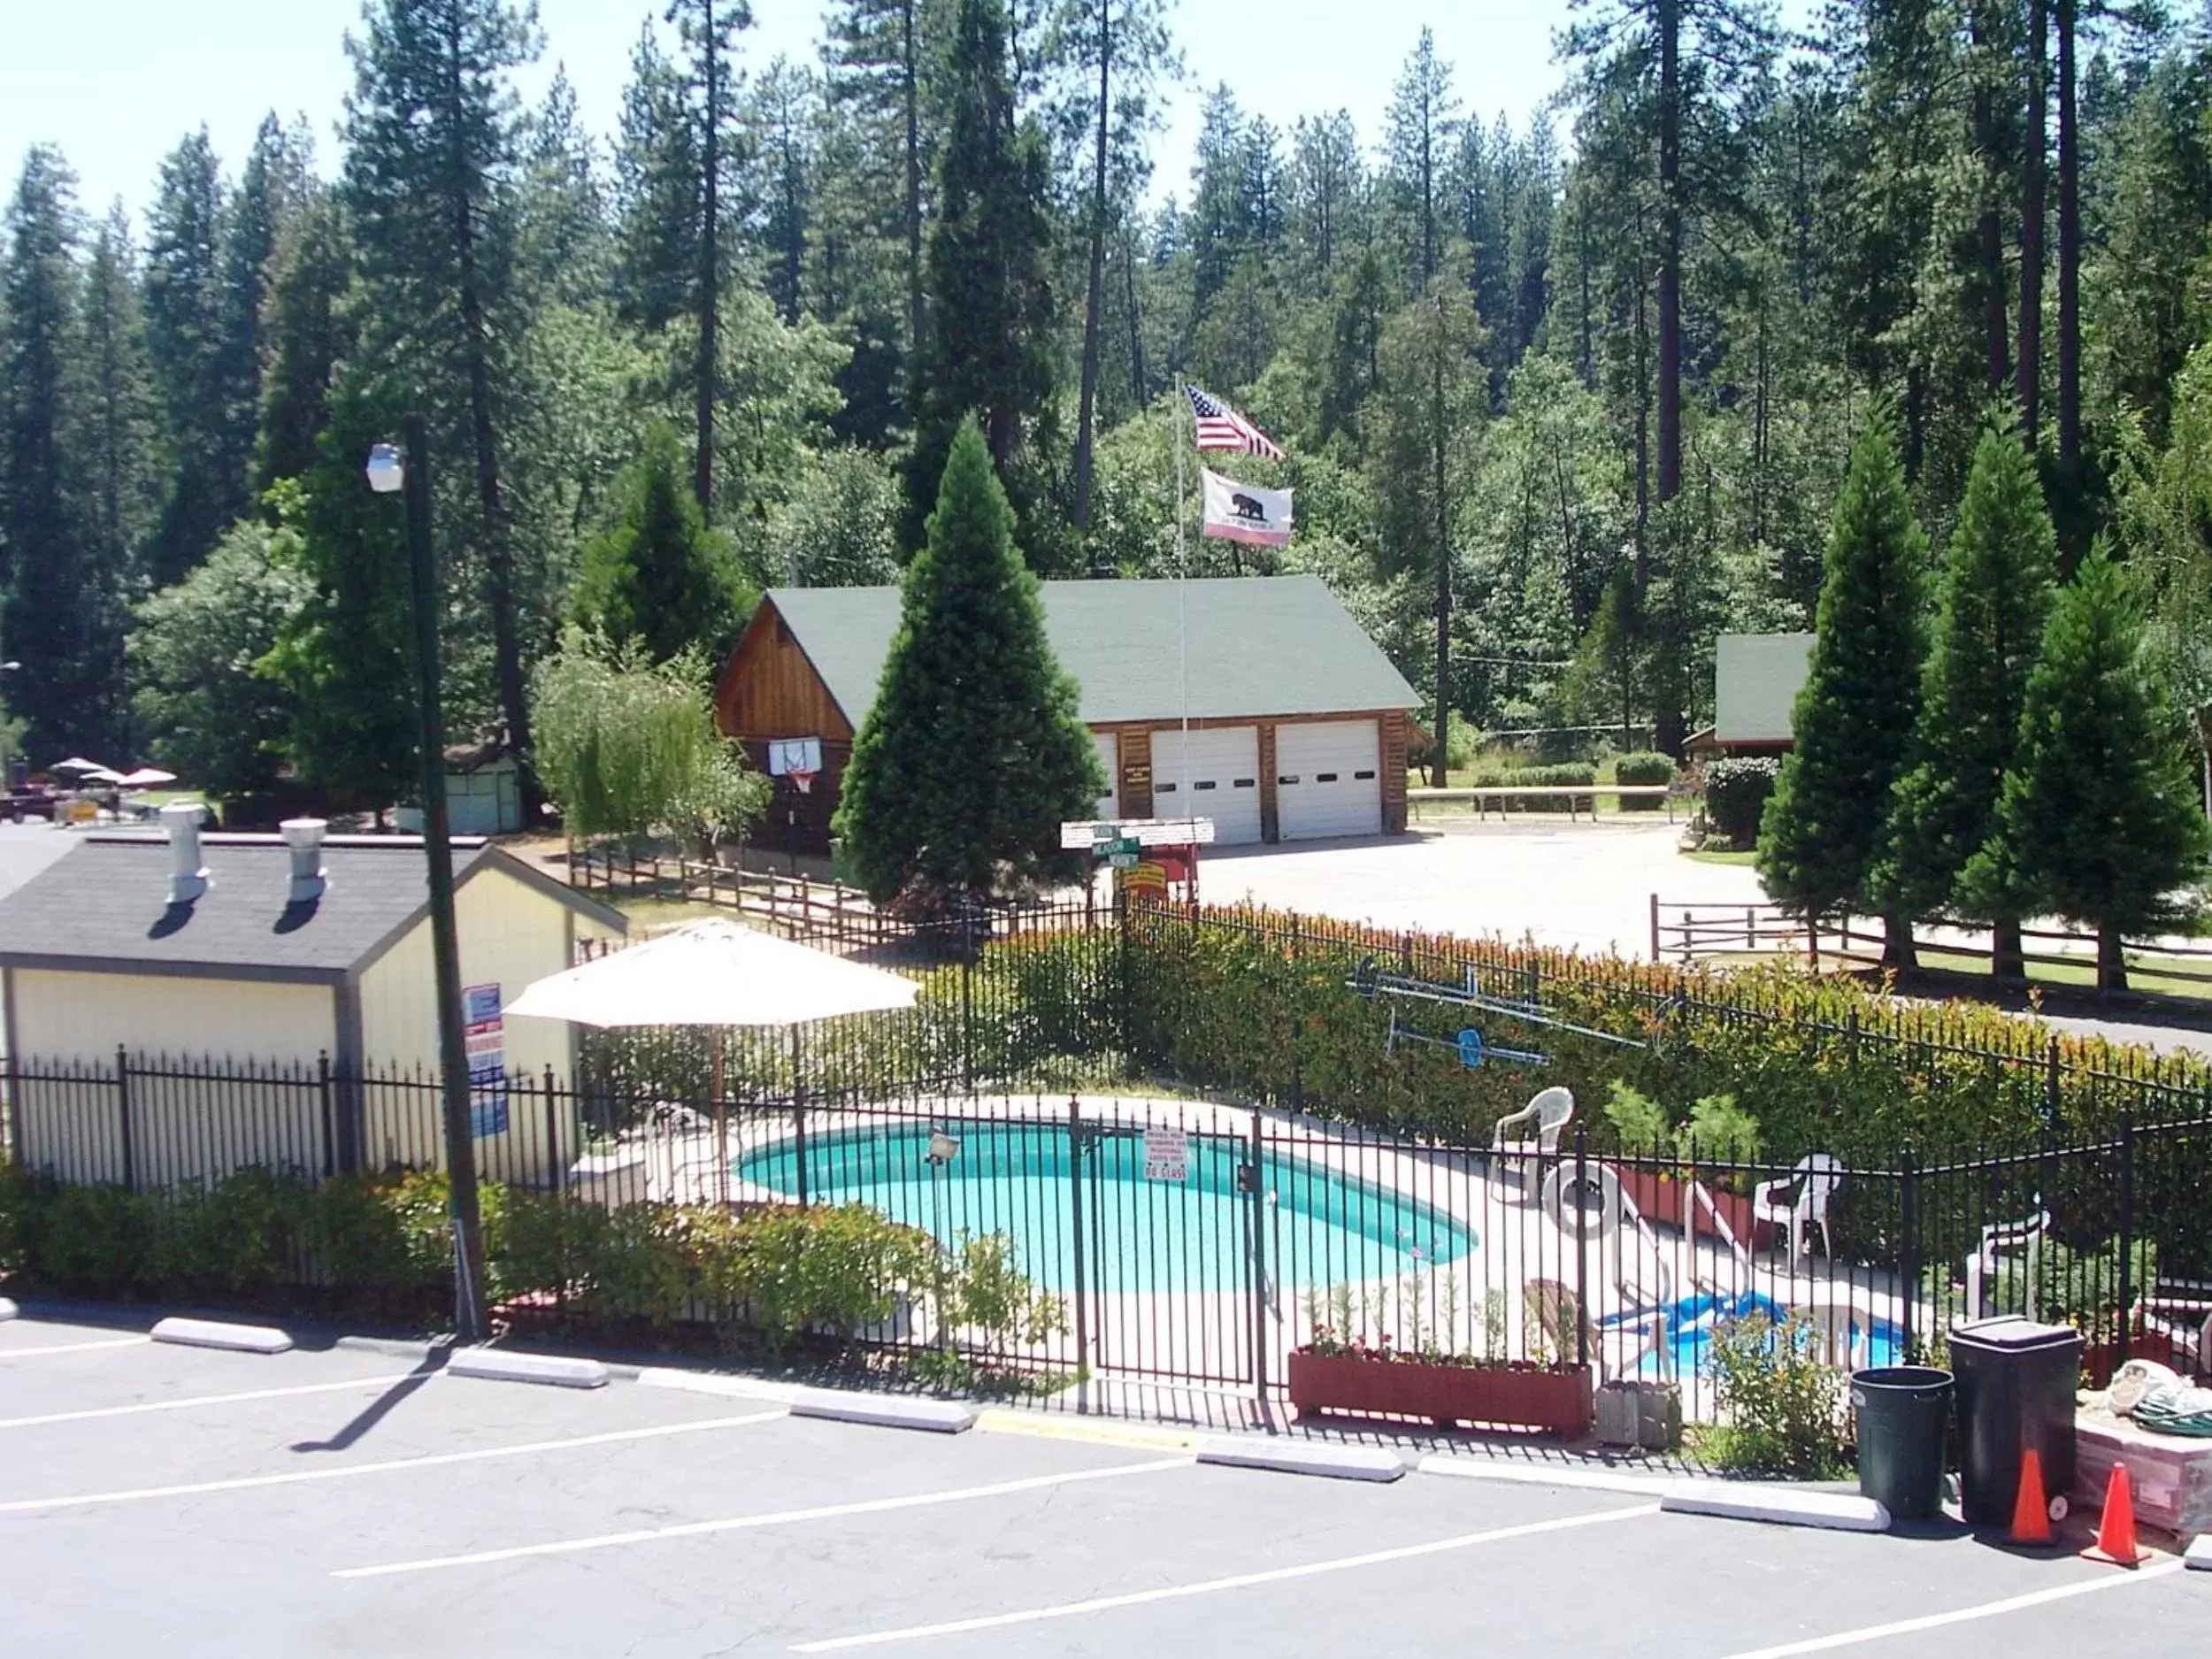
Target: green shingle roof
x,y
1251,646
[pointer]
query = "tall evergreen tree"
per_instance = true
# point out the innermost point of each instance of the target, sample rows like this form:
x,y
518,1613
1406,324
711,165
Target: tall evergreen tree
x,y
309,331
343,655
972,755
119,440
188,320
709,31
657,576
430,167
989,349
64,617
1854,720
2100,822
881,54
1996,592
1424,128
272,190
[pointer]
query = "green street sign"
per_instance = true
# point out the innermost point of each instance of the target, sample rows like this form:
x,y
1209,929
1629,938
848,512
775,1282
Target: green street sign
x,y
1124,861
1124,848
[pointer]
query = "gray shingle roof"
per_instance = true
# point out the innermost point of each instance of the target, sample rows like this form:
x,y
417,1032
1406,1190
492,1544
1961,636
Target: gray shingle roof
x,y
105,902
1255,646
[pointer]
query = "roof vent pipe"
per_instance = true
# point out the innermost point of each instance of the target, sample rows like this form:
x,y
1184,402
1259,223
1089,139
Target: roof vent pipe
x,y
304,837
187,876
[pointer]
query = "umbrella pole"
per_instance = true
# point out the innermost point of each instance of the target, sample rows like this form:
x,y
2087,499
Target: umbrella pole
x,y
721,1124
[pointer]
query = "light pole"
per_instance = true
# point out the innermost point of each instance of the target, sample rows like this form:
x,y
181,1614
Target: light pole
x,y
944,1149
405,468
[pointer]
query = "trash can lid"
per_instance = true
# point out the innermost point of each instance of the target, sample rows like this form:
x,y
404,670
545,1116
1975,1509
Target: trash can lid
x,y
2013,1333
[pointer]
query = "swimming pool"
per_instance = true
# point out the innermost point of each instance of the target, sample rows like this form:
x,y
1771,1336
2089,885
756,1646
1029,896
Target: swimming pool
x,y
1692,1321
1324,1226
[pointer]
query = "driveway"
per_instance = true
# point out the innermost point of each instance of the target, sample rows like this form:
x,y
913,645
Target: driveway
x,y
1585,886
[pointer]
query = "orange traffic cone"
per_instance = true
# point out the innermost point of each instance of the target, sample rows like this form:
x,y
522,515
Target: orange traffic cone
x,y
2115,1531
2032,1510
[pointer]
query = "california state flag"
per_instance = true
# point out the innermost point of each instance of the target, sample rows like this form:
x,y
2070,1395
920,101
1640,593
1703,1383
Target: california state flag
x,y
1245,513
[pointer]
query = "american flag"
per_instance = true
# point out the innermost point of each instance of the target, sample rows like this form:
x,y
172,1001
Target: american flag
x,y
1221,427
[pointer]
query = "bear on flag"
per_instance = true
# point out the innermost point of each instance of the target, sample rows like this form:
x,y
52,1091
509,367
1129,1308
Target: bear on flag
x,y
1245,513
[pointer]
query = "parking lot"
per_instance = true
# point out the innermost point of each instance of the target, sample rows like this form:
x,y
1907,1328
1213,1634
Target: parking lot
x,y
353,1501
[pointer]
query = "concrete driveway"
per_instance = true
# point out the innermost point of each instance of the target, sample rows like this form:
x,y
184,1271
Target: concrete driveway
x,y
1585,886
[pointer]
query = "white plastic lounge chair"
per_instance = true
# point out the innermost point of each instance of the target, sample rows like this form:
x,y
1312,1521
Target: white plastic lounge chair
x,y
1800,1199
1535,1128
1999,1240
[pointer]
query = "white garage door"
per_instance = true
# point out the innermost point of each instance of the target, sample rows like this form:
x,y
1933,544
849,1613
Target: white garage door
x,y
1108,752
1328,779
1218,776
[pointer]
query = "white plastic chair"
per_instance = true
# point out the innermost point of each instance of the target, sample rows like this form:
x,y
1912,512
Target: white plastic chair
x,y
1799,1200
1535,1128
1999,1240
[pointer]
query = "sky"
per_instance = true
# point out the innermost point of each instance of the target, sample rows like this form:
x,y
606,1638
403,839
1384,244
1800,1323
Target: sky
x,y
116,83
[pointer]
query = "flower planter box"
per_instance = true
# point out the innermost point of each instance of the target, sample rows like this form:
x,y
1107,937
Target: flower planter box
x,y
1556,1399
1662,1202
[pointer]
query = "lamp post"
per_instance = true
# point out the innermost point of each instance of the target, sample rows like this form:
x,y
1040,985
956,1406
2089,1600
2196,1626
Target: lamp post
x,y
405,468
944,1149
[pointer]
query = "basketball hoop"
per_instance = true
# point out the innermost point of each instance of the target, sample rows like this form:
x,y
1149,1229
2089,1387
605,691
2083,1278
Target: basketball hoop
x,y
802,781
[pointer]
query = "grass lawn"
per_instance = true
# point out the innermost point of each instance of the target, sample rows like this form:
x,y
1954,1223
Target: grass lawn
x,y
2144,966
1746,858
648,914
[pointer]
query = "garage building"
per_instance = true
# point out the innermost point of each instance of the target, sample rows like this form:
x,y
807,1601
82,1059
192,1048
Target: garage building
x,y
1256,702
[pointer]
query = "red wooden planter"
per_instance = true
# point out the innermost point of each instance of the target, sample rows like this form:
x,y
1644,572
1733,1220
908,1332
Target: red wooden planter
x,y
1662,1203
1510,1396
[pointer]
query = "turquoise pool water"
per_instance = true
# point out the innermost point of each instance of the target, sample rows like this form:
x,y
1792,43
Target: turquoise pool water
x,y
1691,1323
1324,1227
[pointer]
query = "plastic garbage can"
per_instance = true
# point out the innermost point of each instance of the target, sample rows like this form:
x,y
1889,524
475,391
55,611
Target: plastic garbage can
x,y
1902,1412
2015,1384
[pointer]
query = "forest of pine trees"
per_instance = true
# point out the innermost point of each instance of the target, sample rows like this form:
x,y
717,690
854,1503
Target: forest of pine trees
x,y
1584,386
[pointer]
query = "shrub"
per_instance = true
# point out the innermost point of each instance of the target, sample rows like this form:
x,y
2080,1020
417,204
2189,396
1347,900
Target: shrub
x,y
1782,1407
990,1294
1643,767
1639,1120
1736,791
840,1270
239,1237
1462,743
92,1240
1720,1132
1578,774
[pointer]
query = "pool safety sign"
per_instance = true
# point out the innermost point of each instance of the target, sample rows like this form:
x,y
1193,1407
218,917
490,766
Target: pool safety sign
x,y
484,1035
1166,1154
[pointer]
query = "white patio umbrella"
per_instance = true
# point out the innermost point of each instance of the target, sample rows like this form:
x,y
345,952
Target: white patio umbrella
x,y
77,763
146,777
716,974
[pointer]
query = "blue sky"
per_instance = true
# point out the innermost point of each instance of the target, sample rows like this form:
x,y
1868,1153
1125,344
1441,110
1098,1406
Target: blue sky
x,y
117,82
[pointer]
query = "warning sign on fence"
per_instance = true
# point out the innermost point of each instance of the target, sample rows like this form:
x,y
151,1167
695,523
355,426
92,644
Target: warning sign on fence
x,y
1166,1154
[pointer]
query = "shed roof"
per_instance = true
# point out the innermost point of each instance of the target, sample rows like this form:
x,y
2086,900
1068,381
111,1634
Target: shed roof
x,y
1251,646
105,906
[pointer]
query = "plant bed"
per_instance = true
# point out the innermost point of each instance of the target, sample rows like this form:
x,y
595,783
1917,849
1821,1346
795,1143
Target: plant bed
x,y
1555,1399
1662,1201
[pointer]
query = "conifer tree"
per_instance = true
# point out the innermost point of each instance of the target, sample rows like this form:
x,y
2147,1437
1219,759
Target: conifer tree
x,y
309,330
658,576
1996,592
1854,720
186,326
2100,822
972,755
989,349
119,432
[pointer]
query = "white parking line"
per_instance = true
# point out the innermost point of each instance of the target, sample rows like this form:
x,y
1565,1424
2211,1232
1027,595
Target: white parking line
x,y
75,1348
208,1400
1238,1581
1964,1615
779,1518
346,1471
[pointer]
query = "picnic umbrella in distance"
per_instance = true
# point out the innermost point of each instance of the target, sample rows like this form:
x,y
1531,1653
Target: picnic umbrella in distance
x,y
716,974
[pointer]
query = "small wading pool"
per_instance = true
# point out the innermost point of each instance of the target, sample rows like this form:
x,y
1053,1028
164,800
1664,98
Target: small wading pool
x,y
1325,1226
1691,1323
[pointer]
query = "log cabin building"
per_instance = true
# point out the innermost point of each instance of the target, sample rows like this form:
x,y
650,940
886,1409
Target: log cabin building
x,y
1256,702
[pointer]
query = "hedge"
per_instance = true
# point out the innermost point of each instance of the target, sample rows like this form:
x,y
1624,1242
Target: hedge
x,y
379,1245
1736,791
1578,774
1643,767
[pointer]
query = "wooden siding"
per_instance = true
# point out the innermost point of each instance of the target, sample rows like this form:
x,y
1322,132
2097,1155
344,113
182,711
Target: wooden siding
x,y
769,688
1394,724
1271,806
1134,744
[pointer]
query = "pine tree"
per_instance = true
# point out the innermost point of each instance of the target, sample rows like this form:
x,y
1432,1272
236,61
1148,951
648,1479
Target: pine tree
x,y
1423,128
120,437
972,755
429,178
65,616
344,658
708,30
989,350
2100,822
1996,592
273,188
658,575
187,321
309,331
1854,720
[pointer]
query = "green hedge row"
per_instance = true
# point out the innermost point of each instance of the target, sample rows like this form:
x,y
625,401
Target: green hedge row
x,y
1578,773
1647,767
379,1245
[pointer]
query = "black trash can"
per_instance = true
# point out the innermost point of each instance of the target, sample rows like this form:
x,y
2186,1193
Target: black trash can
x,y
2016,1382
1902,1412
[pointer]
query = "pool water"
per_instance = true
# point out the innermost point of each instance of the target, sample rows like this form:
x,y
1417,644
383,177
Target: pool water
x,y
1692,1321
1323,1227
